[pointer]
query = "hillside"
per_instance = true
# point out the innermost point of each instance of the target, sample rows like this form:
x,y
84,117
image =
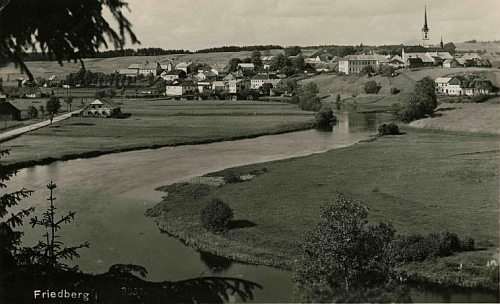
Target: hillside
x,y
491,50
351,90
48,68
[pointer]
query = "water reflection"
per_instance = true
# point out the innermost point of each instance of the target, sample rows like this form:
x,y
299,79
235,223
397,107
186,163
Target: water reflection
x,y
215,264
350,121
427,293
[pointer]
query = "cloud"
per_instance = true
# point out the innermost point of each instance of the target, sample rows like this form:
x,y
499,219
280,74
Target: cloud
x,y
194,24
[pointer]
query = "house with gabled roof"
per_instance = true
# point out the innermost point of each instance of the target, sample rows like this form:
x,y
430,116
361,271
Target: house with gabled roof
x,y
101,107
229,77
205,75
187,67
144,68
173,75
245,69
320,56
258,80
238,85
414,62
8,111
429,56
442,84
396,62
180,88
354,64
451,63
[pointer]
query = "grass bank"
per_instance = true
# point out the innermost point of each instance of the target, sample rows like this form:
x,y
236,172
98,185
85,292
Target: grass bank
x,y
464,117
422,182
155,124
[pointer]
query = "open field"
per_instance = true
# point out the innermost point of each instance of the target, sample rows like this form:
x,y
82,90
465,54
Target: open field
x,y
157,123
283,201
464,117
107,65
492,50
350,87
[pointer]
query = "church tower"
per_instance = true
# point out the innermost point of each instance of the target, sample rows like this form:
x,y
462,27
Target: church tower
x,y
425,29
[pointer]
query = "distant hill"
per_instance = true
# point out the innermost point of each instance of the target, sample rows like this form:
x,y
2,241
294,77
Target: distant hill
x,y
487,50
107,65
331,85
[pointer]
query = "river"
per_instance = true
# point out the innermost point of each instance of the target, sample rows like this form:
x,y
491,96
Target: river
x,y
110,194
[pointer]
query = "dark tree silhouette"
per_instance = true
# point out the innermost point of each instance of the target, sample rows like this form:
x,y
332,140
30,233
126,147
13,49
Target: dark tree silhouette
x,y
52,107
67,30
10,239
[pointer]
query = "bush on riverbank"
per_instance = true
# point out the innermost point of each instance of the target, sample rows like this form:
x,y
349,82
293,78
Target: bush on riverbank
x,y
345,260
325,117
216,216
388,129
371,87
422,101
418,248
480,98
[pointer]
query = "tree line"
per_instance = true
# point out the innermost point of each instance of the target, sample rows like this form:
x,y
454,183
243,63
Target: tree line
x,y
152,51
235,48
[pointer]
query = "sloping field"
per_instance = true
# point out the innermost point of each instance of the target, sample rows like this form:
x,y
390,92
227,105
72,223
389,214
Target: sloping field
x,y
491,50
157,123
470,117
351,84
48,68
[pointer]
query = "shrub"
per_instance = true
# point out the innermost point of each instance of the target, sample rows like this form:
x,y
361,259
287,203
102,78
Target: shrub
x,y
388,129
325,117
216,216
478,98
417,248
310,103
231,177
386,70
371,87
422,101
394,91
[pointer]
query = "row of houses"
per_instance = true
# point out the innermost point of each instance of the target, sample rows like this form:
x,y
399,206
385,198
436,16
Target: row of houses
x,y
411,57
459,85
232,84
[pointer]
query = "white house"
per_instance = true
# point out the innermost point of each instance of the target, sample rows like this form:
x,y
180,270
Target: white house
x,y
101,107
442,84
257,81
180,89
238,85
354,64
185,66
173,75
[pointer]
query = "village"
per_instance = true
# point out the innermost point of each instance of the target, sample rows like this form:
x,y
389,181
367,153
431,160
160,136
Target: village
x,y
252,78
233,162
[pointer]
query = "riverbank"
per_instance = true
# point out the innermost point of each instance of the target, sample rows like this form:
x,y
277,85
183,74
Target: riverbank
x,y
155,124
422,182
464,117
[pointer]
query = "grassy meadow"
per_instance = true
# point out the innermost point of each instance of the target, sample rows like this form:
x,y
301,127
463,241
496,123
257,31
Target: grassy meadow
x,y
464,117
492,50
155,123
391,175
107,65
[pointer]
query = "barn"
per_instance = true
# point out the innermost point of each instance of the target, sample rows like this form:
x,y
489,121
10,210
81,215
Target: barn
x,y
101,107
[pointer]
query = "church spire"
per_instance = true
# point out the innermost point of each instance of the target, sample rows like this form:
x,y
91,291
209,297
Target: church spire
x,y
425,29
441,44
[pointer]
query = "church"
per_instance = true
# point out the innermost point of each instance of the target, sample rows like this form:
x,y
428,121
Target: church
x,y
424,55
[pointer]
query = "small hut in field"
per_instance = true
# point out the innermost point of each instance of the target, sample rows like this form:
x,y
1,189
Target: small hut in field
x,y
101,107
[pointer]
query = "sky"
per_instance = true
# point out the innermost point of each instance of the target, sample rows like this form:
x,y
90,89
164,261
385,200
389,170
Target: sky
x,y
198,24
